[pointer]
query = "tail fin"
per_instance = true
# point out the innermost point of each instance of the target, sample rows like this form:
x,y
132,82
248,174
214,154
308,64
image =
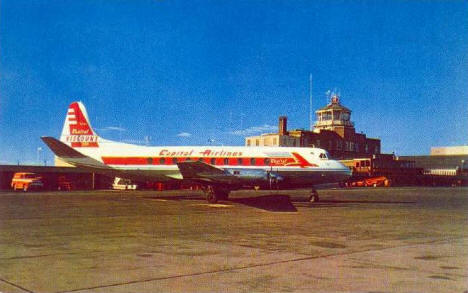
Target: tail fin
x,y
77,131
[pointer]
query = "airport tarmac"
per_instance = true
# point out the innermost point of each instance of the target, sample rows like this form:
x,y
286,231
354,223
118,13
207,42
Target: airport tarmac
x,y
409,239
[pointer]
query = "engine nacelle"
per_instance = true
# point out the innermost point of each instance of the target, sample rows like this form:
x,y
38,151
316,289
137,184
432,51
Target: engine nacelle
x,y
255,177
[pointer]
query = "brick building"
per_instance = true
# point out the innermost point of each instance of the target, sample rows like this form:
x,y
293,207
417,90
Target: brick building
x,y
333,131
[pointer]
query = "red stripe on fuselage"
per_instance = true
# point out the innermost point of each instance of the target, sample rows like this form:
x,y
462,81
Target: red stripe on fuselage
x,y
252,161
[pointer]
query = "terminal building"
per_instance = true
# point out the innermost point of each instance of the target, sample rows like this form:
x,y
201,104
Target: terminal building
x,y
333,131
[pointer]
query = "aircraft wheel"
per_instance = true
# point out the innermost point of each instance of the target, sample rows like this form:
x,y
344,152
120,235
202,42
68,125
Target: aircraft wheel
x,y
211,197
314,197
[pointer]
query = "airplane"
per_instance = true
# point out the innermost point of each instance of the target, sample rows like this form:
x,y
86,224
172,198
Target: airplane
x,y
218,169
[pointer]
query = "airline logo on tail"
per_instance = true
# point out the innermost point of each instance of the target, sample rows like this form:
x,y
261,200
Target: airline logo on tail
x,y
79,132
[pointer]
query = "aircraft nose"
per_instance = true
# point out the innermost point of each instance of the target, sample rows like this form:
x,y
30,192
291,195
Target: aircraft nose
x,y
343,168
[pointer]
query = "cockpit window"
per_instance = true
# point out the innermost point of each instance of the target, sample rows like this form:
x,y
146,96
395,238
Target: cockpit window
x,y
323,156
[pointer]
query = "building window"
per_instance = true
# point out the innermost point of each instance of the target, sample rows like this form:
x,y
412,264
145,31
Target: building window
x,y
318,142
248,142
367,148
275,141
257,142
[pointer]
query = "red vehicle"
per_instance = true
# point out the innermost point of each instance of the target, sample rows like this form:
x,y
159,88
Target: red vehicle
x,y
64,184
373,181
26,181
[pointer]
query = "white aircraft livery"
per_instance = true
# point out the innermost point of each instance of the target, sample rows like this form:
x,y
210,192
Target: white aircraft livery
x,y
218,170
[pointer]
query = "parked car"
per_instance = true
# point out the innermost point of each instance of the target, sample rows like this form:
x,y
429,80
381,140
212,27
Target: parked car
x,y
26,181
373,181
124,184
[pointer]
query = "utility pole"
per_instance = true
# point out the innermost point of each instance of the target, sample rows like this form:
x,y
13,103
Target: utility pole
x,y
39,149
310,103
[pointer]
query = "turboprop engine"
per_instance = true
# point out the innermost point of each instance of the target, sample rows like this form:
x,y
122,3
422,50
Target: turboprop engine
x,y
256,177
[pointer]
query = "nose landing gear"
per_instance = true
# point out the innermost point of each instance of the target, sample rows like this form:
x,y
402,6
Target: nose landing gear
x,y
314,197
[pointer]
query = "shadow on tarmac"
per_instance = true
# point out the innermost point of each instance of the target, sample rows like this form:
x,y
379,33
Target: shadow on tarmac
x,y
272,203
281,202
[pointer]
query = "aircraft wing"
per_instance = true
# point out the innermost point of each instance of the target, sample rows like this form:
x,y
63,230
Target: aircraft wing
x,y
202,172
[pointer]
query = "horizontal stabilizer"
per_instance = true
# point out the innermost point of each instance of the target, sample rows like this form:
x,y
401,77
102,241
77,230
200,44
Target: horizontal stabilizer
x,y
71,155
60,149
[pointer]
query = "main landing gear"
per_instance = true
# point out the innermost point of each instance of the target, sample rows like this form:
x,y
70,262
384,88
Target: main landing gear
x,y
314,197
213,194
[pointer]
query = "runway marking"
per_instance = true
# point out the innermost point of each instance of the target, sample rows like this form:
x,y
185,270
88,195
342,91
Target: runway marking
x,y
256,265
16,286
213,205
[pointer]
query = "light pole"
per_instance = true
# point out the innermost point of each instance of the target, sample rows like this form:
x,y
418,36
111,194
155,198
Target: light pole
x,y
39,149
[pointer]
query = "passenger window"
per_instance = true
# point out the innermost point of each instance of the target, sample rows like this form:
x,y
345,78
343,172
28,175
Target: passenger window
x,y
267,162
162,161
226,161
150,161
213,161
174,161
252,161
239,161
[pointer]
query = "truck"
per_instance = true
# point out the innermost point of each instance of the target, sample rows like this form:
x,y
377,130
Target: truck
x,y
124,184
382,170
26,181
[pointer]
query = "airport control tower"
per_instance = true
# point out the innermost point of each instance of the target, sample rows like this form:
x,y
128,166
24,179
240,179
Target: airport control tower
x,y
335,117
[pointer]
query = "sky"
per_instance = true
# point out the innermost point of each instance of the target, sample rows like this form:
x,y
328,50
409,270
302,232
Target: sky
x,y
211,72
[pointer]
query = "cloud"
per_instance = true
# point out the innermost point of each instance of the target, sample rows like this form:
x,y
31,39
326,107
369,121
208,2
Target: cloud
x,y
136,141
184,134
111,128
254,130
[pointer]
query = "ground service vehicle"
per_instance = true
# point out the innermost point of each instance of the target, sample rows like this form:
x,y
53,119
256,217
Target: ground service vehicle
x,y
64,184
373,181
123,184
26,181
